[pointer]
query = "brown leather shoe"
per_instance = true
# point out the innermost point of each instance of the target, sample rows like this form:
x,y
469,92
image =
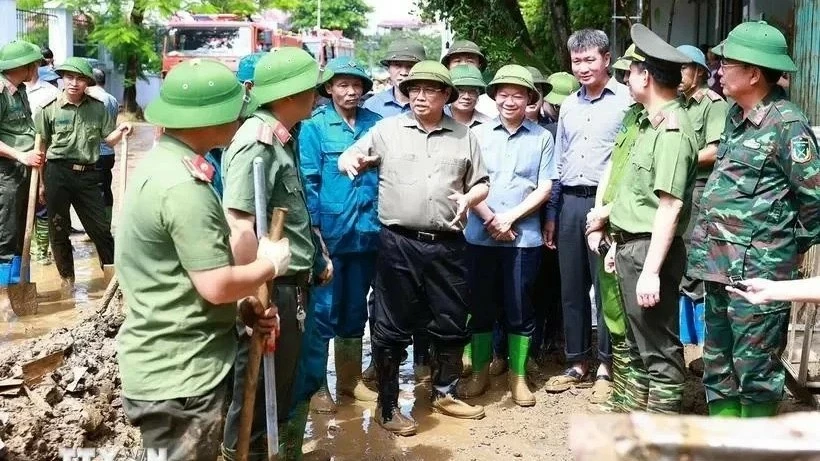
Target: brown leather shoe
x,y
322,402
521,394
397,424
451,406
476,384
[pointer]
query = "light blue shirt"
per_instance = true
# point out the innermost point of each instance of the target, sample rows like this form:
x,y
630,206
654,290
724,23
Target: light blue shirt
x,y
517,164
113,108
385,104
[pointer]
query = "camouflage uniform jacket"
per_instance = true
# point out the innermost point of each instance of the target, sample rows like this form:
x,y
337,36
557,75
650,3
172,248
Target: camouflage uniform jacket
x,y
761,205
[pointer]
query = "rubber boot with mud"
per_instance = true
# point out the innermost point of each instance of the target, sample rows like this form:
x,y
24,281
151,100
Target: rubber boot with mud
x,y
518,347
292,435
636,393
388,414
620,367
725,408
467,361
479,380
665,398
348,357
322,402
759,410
445,379
498,366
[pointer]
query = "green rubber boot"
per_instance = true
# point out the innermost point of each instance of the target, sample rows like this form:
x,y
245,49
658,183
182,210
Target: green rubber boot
x,y
759,410
518,347
292,435
467,361
479,380
725,408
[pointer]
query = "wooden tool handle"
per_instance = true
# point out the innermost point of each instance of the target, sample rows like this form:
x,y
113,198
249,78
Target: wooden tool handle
x,y
123,174
34,184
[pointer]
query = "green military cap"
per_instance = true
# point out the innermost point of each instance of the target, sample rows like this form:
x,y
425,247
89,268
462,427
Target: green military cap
x,y
285,72
464,47
78,66
563,85
199,93
650,46
404,50
465,75
430,71
759,44
540,82
18,54
625,61
513,74
345,65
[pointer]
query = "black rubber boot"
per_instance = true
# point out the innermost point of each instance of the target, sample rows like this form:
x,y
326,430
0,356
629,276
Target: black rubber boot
x,y
388,414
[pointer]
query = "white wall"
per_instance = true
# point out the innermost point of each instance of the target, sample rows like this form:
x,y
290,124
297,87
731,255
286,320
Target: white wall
x,y
8,21
146,90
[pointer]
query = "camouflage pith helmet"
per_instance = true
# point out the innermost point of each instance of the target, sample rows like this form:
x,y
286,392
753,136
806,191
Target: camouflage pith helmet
x,y
430,71
563,85
78,66
346,66
464,47
467,76
246,67
513,74
540,82
199,93
18,53
759,44
404,50
285,72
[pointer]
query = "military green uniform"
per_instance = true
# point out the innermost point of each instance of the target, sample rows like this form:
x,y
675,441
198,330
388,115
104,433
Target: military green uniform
x,y
176,349
16,131
265,137
73,134
761,209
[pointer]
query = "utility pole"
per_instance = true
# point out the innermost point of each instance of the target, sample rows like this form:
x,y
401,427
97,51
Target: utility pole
x,y
318,14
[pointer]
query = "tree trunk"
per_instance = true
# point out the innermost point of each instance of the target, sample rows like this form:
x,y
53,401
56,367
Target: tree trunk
x,y
132,69
561,30
514,10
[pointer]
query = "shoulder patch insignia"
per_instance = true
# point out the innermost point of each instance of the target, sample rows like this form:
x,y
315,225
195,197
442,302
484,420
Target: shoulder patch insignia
x,y
698,96
199,168
265,134
2,85
802,149
672,121
713,96
282,133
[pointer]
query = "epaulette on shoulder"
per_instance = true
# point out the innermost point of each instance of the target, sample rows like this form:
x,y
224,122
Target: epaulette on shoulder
x,y
672,121
789,112
264,134
2,85
713,96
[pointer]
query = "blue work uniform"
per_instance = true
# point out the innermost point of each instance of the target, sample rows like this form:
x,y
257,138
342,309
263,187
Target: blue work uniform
x,y
346,213
385,104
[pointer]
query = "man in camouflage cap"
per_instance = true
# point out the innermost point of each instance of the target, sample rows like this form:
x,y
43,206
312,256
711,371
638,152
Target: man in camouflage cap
x,y
401,55
176,263
760,211
648,217
284,84
72,126
18,64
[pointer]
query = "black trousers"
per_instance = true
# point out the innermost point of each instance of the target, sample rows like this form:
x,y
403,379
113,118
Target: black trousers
x,y
14,185
420,286
66,188
104,165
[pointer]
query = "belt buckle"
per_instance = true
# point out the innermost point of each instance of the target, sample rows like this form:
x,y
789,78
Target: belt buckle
x,y
75,167
426,236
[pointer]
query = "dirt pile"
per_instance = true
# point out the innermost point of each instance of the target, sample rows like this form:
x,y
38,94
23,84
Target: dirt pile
x,y
74,398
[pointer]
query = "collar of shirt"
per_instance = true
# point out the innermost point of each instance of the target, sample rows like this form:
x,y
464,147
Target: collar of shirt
x,y
446,124
173,145
612,86
39,85
527,125
334,118
663,114
759,112
476,119
7,84
62,100
697,96
388,98
274,124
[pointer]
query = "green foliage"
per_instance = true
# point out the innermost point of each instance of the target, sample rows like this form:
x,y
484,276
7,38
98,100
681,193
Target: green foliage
x,y
372,49
349,16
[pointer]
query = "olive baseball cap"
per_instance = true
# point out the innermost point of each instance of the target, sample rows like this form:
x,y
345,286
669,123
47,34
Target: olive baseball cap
x,y
759,44
78,66
199,93
18,53
345,65
429,71
404,50
464,47
285,72
563,85
467,76
513,74
247,65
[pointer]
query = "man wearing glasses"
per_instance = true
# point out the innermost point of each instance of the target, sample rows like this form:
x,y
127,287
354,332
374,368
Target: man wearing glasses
x,y
761,210
430,174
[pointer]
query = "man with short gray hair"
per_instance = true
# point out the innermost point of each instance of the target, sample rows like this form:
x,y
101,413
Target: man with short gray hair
x,y
589,120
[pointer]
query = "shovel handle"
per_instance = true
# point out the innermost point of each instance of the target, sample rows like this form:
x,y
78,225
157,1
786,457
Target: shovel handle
x,y
34,183
123,173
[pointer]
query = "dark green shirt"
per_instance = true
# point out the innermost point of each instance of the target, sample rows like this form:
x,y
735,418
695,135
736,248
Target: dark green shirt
x,y
624,141
16,126
74,132
707,113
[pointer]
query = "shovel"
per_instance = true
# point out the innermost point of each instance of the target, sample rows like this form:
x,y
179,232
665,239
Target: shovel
x,y
108,269
23,296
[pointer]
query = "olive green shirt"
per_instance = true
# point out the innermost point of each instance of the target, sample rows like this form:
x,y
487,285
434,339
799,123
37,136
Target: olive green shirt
x,y
74,132
707,112
263,136
664,159
624,141
418,170
16,126
173,343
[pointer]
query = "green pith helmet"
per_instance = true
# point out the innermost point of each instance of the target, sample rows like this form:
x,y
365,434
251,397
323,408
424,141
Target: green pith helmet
x,y
467,76
759,44
540,82
404,50
513,74
625,61
563,85
285,72
346,66
78,66
430,71
18,53
464,47
199,93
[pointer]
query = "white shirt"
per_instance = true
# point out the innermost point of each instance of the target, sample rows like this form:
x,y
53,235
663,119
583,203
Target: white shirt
x,y
39,94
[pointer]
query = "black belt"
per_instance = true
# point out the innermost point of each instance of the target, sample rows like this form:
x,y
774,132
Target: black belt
x,y
299,279
76,167
426,236
580,191
623,237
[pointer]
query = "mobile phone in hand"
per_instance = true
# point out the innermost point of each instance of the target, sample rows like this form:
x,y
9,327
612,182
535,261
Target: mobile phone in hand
x,y
737,283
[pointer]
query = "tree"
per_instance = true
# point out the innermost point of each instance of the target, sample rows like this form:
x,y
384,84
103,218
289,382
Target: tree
x,y
372,49
349,16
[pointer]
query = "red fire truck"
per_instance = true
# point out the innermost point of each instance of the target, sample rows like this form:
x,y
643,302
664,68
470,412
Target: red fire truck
x,y
224,37
325,45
